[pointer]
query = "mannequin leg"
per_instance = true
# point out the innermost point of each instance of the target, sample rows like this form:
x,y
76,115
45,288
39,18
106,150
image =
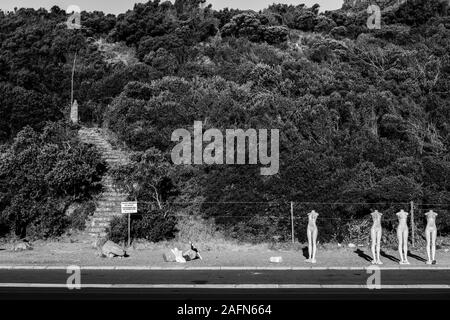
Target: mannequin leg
x,y
428,236
309,245
378,247
433,244
400,245
373,236
405,245
314,236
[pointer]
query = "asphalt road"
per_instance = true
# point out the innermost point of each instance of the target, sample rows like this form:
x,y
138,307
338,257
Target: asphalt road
x,y
224,284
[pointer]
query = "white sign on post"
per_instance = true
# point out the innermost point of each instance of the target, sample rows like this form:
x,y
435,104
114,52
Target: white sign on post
x,y
129,207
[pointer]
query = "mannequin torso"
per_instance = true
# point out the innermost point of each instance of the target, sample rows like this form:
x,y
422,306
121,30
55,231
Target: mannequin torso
x,y
402,217
376,217
431,220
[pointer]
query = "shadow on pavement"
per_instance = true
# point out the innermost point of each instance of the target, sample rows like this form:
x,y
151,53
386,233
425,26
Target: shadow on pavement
x,y
363,255
305,252
388,256
416,257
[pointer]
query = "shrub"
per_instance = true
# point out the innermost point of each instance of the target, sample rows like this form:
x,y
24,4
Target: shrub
x,y
152,225
77,219
41,174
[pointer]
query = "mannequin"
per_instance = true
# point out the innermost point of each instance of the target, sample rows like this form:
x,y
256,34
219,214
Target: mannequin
x,y
312,236
430,233
402,235
375,234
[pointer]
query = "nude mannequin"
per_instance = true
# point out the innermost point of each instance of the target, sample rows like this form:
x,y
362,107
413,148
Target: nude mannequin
x,y
430,233
375,234
402,235
312,236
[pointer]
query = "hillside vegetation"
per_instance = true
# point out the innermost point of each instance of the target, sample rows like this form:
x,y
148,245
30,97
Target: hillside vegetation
x,y
363,114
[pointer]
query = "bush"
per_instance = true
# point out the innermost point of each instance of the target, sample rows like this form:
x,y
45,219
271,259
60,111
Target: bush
x,y
152,225
41,175
77,219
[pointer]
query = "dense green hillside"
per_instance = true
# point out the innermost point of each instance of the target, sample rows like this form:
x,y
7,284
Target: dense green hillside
x,y
363,114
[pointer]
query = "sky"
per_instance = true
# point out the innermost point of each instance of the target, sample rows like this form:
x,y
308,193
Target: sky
x,y
121,6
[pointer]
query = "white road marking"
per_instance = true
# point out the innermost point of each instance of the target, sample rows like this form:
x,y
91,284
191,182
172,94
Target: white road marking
x,y
143,268
222,286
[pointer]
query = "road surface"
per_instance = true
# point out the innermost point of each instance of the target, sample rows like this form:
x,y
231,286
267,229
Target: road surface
x,y
224,284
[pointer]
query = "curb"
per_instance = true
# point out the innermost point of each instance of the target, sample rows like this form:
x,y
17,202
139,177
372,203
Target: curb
x,y
225,286
148,268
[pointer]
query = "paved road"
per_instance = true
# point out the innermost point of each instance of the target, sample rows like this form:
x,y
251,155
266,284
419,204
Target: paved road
x,y
211,284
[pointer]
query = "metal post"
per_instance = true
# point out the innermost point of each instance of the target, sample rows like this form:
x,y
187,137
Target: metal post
x,y
129,230
292,222
72,80
413,227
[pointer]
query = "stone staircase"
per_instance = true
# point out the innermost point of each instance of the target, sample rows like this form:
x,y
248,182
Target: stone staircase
x,y
108,203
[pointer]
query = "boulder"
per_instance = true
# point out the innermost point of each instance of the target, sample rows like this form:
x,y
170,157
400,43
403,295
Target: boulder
x,y
168,256
190,255
111,250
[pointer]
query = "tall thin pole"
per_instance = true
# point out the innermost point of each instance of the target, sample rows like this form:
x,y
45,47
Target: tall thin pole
x,y
292,222
413,233
73,75
129,230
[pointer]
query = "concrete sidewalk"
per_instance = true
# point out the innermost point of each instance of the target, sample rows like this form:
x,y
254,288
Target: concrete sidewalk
x,y
61,255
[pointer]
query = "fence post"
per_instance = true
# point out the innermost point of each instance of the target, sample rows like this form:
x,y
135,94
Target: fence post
x,y
129,230
413,227
292,222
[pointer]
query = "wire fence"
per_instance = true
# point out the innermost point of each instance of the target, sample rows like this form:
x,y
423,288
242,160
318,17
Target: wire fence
x,y
292,215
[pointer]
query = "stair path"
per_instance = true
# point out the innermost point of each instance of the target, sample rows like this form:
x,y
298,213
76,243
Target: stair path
x,y
108,204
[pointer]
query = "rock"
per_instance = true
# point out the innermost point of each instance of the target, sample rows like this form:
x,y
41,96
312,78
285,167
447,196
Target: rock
x,y
169,256
190,255
98,243
276,259
22,246
351,245
111,250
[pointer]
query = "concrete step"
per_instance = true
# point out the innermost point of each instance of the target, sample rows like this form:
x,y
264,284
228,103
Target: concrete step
x,y
108,203
106,209
113,194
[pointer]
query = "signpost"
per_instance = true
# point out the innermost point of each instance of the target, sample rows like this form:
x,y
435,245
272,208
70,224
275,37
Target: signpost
x,y
129,208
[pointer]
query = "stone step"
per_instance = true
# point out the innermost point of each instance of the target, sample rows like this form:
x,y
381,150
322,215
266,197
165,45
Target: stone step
x,y
107,211
97,234
96,230
114,199
113,193
101,225
108,203
102,219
